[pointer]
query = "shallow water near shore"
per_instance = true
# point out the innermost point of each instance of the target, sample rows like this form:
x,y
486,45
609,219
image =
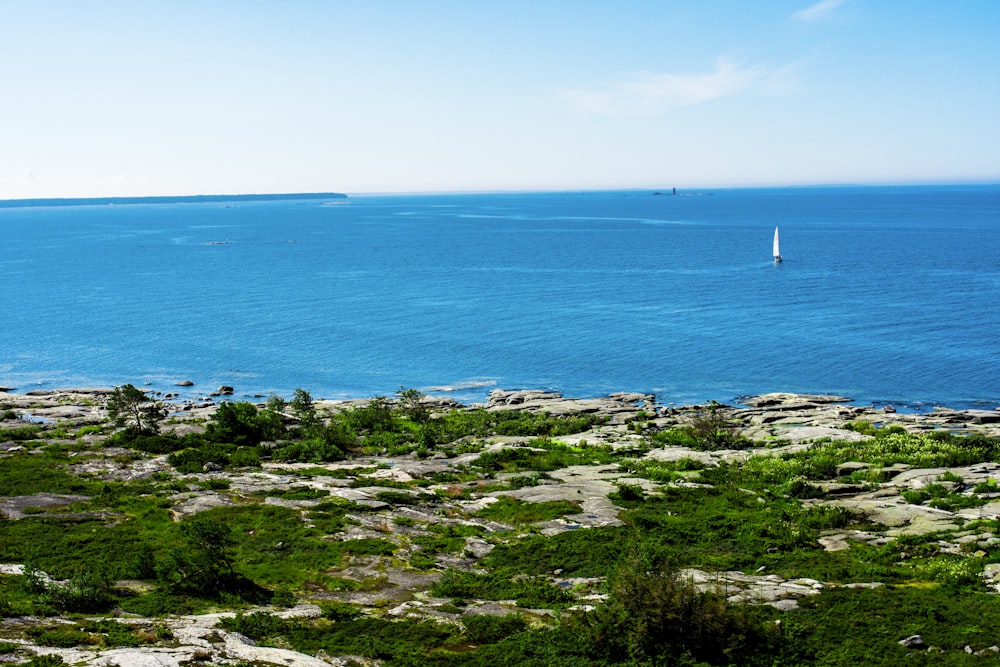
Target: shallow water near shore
x,y
885,294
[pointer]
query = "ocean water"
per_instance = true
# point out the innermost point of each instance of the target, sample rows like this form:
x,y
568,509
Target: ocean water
x,y
886,294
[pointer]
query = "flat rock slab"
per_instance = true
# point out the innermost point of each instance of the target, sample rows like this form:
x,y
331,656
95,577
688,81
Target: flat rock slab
x,y
779,399
899,516
587,485
13,507
806,434
766,589
190,504
919,477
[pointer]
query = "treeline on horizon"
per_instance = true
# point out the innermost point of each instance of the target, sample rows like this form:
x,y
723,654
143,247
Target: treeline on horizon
x,y
185,199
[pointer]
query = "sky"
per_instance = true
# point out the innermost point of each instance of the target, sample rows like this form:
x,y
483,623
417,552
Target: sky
x,y
179,97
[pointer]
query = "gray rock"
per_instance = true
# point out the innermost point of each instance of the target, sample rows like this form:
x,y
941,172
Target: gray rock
x,y
851,466
983,416
913,641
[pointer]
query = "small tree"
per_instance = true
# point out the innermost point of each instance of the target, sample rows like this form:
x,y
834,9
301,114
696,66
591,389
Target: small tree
x,y
412,404
131,408
304,409
204,565
237,423
713,429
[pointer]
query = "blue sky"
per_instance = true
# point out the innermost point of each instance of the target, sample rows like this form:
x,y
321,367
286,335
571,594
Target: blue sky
x,y
182,97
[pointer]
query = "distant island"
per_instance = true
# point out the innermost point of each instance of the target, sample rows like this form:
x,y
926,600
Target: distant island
x,y
187,199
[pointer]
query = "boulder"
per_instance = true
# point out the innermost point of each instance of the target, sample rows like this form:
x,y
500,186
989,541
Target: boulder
x,y
225,390
913,641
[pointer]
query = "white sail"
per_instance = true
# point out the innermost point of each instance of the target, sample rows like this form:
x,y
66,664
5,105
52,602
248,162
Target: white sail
x,y
777,250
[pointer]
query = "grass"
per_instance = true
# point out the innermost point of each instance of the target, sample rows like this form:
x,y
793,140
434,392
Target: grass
x,y
518,512
761,514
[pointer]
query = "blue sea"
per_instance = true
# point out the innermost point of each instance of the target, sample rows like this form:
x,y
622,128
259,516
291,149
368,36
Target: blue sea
x,y
886,294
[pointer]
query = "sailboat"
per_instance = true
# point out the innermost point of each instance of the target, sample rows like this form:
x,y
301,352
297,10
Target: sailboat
x,y
777,251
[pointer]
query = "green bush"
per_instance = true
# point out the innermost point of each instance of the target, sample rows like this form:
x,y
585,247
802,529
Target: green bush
x,y
87,591
245,457
164,443
60,637
48,660
658,615
21,433
339,611
283,597
861,426
193,460
487,629
624,491
258,625
369,546
536,593
241,423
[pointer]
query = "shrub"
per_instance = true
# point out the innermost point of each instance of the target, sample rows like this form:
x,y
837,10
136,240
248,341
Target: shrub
x,y
234,422
626,491
259,625
487,629
528,592
989,486
283,597
193,460
313,450
369,546
340,611
861,426
86,591
712,429
48,660
373,417
655,615
60,637
150,443
245,457
21,433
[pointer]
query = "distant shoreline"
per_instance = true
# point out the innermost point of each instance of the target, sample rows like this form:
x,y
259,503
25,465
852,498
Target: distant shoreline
x,y
183,199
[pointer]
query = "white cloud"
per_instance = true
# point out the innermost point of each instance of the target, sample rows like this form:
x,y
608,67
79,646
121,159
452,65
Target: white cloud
x,y
818,11
29,176
649,93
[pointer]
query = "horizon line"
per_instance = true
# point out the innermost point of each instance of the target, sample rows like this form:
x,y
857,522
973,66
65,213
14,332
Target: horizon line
x,y
263,196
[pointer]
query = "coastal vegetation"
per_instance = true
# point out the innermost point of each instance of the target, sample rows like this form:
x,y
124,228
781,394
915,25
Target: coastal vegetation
x,y
408,530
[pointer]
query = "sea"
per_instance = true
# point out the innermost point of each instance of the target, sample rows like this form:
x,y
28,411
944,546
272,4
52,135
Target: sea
x,y
886,295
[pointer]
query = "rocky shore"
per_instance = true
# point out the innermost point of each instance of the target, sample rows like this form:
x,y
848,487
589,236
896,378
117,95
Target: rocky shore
x,y
797,417
778,423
